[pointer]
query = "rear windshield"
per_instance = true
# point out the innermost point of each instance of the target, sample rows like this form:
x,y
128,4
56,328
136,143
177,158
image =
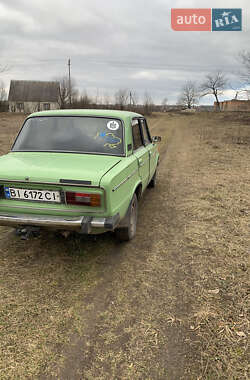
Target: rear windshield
x,y
95,135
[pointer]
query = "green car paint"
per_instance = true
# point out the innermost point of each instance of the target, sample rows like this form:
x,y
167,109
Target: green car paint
x,y
115,178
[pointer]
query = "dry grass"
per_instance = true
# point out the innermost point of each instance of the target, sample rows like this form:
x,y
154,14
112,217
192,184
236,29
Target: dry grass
x,y
218,241
42,282
182,291
9,126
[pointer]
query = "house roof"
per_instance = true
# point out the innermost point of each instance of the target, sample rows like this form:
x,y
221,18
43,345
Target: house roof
x,y
33,91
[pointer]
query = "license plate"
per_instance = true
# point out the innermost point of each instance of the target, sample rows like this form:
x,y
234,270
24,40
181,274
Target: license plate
x,y
32,195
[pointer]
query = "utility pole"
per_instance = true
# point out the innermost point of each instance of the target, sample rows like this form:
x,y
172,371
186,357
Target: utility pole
x,y
69,82
131,99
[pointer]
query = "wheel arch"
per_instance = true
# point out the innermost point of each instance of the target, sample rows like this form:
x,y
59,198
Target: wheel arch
x,y
138,191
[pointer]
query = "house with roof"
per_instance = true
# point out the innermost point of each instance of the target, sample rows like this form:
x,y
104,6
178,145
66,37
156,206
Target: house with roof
x,y
31,96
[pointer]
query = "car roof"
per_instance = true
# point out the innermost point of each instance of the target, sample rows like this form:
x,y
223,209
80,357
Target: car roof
x,y
88,112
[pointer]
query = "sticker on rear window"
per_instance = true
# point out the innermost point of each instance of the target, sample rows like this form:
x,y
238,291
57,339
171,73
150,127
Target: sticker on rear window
x,y
113,125
109,139
7,192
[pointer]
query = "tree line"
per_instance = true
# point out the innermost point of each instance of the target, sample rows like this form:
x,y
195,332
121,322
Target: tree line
x,y
215,84
123,99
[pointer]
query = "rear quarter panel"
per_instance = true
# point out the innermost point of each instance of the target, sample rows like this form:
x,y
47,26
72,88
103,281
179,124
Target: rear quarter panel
x,y
120,184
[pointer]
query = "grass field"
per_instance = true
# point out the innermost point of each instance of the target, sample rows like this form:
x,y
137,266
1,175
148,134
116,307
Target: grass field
x,y
171,304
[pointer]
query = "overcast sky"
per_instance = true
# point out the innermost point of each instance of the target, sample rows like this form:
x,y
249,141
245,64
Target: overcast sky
x,y
116,44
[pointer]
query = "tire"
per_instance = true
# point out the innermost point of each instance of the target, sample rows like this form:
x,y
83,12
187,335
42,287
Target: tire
x,y
153,181
128,232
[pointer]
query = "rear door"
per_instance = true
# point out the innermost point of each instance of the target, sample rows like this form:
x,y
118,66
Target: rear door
x,y
141,152
151,148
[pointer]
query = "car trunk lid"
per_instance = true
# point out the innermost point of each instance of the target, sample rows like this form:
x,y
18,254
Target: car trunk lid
x,y
61,168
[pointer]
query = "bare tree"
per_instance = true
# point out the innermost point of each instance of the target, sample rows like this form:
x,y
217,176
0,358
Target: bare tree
x,y
148,104
214,84
3,97
97,99
66,91
3,94
240,93
84,101
121,98
164,103
189,95
133,100
106,99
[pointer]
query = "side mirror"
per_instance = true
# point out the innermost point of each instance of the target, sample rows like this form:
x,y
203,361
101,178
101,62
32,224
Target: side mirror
x,y
156,139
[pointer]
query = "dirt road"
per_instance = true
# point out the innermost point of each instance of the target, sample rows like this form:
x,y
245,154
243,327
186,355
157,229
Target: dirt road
x,y
134,318
148,309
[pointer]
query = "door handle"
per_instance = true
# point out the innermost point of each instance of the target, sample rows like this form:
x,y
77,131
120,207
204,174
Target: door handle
x,y
141,162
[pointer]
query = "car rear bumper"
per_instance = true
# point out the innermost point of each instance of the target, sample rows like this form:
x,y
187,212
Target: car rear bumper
x,y
82,224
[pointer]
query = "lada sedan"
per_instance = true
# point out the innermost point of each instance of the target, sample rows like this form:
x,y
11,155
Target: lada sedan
x,y
81,170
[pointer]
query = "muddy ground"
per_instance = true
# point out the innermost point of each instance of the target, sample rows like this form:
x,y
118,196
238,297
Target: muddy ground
x,y
172,303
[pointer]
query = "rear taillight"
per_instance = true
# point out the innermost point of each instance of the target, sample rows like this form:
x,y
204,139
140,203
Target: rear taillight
x,y
83,199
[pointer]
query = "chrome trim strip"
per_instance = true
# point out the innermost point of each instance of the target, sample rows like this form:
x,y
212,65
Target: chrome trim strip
x,y
74,182
125,180
47,183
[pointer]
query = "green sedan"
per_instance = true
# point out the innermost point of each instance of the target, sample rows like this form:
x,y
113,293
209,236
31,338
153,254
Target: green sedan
x,y
81,170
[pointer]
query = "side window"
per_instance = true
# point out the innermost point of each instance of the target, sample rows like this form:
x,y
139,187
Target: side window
x,y
137,139
145,132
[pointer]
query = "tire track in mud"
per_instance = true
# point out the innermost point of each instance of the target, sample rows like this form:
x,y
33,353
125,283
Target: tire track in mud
x,y
134,319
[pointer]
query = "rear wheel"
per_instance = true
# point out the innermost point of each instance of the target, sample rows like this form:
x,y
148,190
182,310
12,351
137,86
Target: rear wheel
x,y
153,181
128,232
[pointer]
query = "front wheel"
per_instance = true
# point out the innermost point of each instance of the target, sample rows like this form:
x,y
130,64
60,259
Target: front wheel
x,y
128,232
